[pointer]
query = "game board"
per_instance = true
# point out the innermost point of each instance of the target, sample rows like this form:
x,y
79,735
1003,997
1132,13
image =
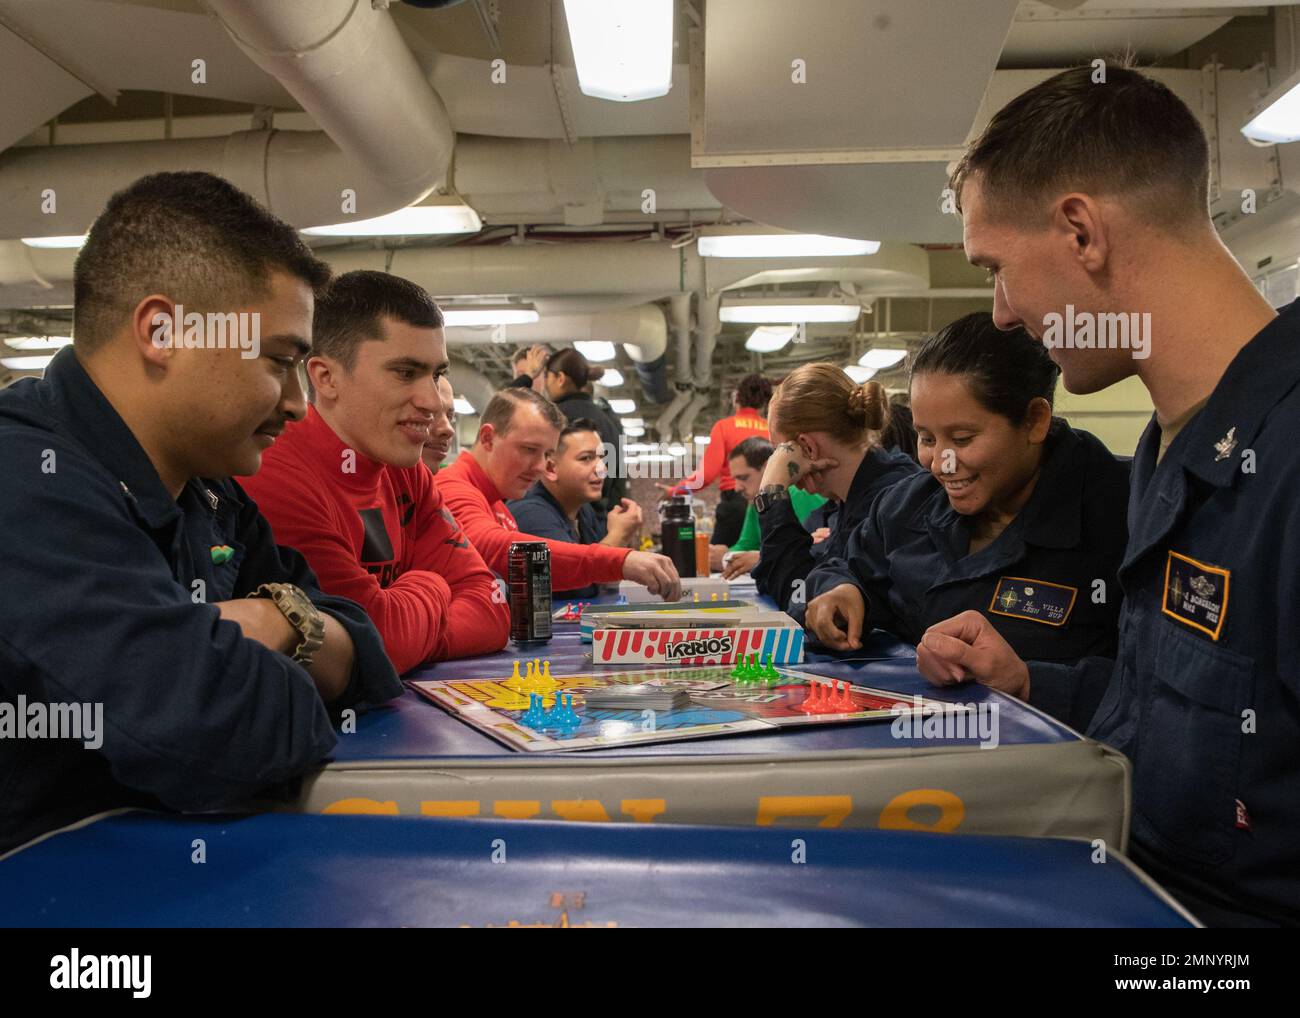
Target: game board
x,y
718,706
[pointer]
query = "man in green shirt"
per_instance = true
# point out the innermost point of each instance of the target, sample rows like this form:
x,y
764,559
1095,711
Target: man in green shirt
x,y
746,464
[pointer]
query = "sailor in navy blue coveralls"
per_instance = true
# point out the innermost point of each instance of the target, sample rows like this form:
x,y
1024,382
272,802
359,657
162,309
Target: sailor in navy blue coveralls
x,y
115,603
1204,697
1038,582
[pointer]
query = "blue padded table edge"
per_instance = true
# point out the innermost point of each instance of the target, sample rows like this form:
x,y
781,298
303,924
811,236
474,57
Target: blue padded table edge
x,y
134,869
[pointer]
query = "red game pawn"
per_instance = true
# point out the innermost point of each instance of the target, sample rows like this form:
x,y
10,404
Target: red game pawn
x,y
842,698
808,704
816,700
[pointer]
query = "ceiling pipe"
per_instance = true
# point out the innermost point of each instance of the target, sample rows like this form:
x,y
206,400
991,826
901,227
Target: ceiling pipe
x,y
679,311
388,138
641,329
707,327
630,272
686,422
630,269
348,66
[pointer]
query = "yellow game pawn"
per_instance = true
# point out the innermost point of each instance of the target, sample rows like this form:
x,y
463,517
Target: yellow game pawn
x,y
515,681
545,683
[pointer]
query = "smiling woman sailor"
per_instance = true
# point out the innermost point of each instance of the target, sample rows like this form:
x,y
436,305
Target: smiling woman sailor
x,y
1020,516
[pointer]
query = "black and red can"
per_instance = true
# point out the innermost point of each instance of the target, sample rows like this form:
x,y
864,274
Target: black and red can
x,y
530,592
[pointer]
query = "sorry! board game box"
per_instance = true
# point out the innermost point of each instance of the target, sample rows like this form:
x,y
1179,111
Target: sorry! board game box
x,y
536,713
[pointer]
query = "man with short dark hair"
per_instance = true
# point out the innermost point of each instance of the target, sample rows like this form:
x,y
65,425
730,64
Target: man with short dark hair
x,y
559,505
151,588
347,489
746,465
1087,202
518,434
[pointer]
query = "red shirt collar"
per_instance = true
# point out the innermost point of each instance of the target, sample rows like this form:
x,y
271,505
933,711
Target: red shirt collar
x,y
477,476
324,445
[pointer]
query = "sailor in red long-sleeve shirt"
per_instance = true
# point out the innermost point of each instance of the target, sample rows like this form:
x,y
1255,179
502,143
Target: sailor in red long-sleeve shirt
x,y
347,489
750,397
518,432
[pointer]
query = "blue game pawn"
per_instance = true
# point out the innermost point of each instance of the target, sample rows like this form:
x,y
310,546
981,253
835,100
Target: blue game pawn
x,y
534,718
565,715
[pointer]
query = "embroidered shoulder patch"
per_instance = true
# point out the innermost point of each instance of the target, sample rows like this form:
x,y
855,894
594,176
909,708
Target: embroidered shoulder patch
x,y
1196,594
1035,600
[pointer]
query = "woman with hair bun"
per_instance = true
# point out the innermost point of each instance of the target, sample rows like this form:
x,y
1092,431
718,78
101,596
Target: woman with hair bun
x,y
748,401
827,431
1020,517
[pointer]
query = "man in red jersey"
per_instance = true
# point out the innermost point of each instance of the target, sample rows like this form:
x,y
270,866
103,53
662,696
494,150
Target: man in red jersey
x,y
518,434
347,489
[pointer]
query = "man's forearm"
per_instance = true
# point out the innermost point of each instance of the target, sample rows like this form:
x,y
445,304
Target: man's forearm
x,y
331,666
261,620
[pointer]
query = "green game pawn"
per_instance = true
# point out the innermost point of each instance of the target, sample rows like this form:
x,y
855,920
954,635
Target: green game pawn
x,y
738,671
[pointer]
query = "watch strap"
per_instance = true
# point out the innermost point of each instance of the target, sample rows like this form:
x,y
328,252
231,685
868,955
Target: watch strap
x,y
297,608
769,495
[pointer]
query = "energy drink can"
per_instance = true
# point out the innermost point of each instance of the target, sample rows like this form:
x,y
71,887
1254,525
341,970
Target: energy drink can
x,y
530,592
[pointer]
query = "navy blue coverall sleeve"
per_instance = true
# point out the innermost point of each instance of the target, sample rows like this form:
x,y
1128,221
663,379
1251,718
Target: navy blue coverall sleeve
x,y
193,713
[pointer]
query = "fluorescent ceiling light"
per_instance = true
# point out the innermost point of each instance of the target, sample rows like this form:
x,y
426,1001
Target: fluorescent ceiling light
x,y
463,406
770,338
676,449
611,379
440,216
597,350
56,242
632,422
489,314
637,447
654,457
623,49
881,359
623,406
756,311
1276,118
37,363
633,432
858,373
768,243
702,439
41,343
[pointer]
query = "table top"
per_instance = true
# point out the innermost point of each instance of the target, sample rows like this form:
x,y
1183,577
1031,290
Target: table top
x,y
138,869
411,727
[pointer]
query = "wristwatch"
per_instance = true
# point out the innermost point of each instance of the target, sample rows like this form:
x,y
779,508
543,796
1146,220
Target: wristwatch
x,y
770,494
296,606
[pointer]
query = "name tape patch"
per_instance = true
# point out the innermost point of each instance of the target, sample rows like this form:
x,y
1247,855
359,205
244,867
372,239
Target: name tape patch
x,y
1035,600
1196,594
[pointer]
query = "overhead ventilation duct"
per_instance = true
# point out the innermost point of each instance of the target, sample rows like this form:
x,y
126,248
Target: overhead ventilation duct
x,y
347,65
642,331
633,270
631,273
388,139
